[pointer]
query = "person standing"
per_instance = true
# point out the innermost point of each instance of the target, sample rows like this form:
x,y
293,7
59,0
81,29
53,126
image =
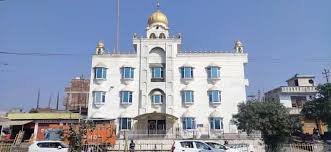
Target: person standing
x,y
132,145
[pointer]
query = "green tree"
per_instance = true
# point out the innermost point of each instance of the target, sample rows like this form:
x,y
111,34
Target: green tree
x,y
77,133
270,118
319,108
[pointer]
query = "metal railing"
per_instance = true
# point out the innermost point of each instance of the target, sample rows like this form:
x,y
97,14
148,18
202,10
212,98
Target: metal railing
x,y
185,134
10,147
239,147
298,89
302,147
294,110
126,147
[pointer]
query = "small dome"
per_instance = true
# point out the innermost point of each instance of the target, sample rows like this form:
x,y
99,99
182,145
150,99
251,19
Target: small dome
x,y
238,43
100,44
157,17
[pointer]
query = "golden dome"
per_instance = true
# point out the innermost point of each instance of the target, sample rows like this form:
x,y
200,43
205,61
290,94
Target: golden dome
x,y
158,17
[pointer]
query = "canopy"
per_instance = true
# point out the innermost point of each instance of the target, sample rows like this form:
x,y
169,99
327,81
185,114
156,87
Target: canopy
x,y
145,115
15,123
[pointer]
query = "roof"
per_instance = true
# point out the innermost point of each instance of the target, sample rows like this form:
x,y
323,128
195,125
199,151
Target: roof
x,y
145,115
42,116
301,76
14,123
3,119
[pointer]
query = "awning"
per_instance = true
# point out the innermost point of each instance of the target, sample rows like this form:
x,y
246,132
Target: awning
x,y
188,113
216,114
15,123
156,65
125,114
145,115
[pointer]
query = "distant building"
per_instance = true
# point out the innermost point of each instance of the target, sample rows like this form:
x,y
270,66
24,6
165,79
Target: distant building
x,y
299,89
160,89
35,124
76,95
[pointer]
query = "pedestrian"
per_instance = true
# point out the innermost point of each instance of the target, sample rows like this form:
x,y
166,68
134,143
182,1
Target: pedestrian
x,y
226,143
132,145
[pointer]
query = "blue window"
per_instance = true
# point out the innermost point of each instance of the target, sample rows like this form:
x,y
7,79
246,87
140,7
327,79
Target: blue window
x,y
213,72
157,99
188,123
187,96
216,123
157,73
214,96
127,73
100,73
126,97
99,97
125,123
186,72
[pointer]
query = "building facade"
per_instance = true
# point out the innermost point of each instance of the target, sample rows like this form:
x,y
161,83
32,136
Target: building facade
x,y
161,89
299,89
76,95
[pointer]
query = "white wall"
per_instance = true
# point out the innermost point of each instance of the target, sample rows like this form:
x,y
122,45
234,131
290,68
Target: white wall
x,y
285,99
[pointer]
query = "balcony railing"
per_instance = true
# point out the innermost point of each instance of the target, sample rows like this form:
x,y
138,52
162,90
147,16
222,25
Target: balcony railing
x,y
298,89
294,111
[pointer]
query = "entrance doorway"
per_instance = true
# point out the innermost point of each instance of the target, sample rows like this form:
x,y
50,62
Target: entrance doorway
x,y
156,126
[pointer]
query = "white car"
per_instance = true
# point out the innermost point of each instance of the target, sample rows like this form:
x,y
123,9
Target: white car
x,y
48,146
223,147
192,146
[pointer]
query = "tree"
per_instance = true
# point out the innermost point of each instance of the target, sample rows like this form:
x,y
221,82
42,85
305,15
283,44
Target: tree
x,y
320,107
271,118
77,133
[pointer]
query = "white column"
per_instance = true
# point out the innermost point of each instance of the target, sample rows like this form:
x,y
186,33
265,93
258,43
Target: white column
x,y
35,131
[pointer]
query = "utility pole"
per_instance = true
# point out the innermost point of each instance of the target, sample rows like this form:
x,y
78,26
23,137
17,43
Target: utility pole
x,y
38,98
57,100
117,27
326,74
50,101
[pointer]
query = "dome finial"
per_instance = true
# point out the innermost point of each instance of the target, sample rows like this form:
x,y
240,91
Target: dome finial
x,y
158,5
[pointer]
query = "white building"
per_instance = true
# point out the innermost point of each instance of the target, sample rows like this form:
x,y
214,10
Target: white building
x,y
299,89
161,89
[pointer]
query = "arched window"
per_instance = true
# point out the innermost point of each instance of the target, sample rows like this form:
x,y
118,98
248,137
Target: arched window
x,y
157,96
162,36
152,36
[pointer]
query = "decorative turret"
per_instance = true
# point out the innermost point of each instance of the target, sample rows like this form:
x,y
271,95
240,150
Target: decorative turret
x,y
100,49
238,46
157,25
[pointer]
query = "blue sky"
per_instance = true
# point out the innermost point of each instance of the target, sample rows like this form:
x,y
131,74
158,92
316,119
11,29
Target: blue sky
x,y
281,37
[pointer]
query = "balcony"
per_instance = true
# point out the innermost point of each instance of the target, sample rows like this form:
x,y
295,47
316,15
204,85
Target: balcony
x,y
294,110
298,89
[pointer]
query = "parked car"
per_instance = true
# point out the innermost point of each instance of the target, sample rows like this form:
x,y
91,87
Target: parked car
x,y
48,146
220,146
192,146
